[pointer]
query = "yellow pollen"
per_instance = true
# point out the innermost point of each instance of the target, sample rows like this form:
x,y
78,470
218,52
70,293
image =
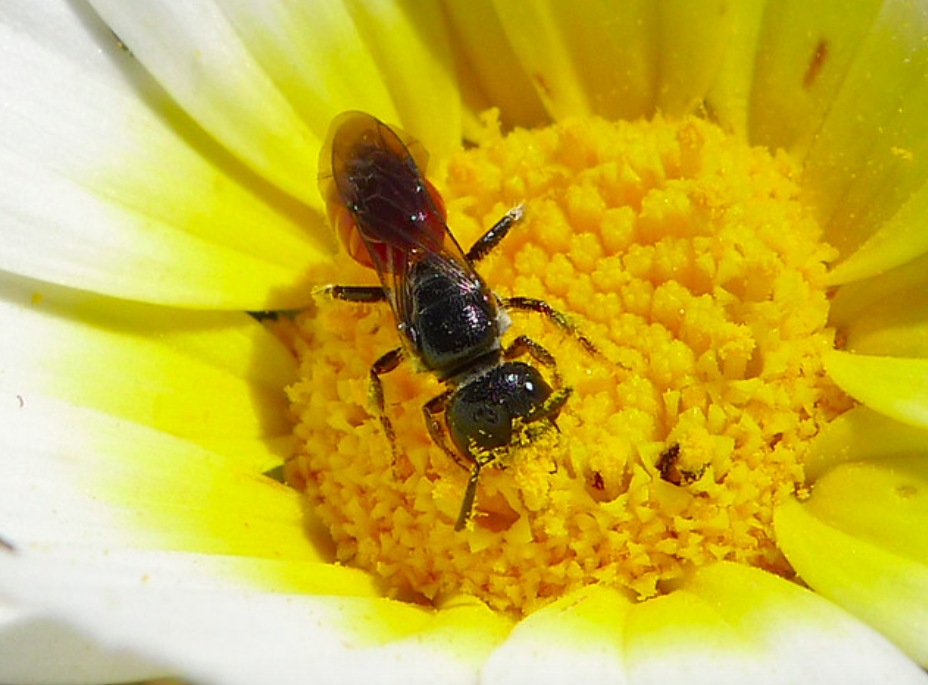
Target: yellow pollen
x,y
685,256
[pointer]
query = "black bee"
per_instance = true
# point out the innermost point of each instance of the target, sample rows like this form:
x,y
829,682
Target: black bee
x,y
392,219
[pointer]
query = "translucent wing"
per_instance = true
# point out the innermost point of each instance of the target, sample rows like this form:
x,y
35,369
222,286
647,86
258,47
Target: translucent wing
x,y
388,216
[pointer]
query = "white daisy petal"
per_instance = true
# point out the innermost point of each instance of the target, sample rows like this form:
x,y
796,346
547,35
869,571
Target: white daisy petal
x,y
882,579
295,44
196,55
412,51
200,375
87,500
27,639
727,624
579,638
894,386
191,626
586,58
898,240
862,434
73,475
735,624
109,187
178,615
868,156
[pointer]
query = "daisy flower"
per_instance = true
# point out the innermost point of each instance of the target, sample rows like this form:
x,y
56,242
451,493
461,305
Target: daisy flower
x,y
727,199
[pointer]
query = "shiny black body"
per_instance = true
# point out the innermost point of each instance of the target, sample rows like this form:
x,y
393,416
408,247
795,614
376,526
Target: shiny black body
x,y
452,320
449,320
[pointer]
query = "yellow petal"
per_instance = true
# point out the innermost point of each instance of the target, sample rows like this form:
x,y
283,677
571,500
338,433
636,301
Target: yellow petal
x,y
315,55
196,54
461,633
862,433
409,42
495,69
886,590
580,637
694,36
883,503
587,58
871,152
125,195
200,375
895,327
728,98
97,480
803,55
733,623
897,241
892,386
904,284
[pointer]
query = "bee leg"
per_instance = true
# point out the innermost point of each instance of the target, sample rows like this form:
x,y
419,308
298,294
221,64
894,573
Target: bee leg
x,y
485,243
525,345
552,406
529,304
430,410
355,293
470,494
385,364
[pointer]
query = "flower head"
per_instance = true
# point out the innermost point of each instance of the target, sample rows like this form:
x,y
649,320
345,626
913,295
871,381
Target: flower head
x,y
725,200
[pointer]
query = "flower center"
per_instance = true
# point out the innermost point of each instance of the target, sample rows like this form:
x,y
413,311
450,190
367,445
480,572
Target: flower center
x,y
685,256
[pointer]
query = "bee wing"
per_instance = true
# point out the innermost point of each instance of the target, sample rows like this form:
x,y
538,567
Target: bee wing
x,y
376,195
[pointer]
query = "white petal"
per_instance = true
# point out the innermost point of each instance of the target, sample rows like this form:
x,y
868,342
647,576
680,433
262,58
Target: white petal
x,y
579,639
727,624
410,44
314,53
109,187
216,633
199,375
37,649
859,540
736,624
195,53
71,475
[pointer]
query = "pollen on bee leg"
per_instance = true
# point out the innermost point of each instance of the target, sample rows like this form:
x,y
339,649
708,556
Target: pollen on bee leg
x,y
686,260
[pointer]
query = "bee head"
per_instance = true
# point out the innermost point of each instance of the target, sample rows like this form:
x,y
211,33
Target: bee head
x,y
481,414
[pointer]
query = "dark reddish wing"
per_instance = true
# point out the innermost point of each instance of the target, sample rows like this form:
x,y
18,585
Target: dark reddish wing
x,y
392,208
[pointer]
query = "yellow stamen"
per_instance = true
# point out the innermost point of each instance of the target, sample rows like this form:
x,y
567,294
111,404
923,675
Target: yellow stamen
x,y
684,255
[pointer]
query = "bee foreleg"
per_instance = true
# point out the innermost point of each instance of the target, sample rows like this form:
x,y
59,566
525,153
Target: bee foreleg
x,y
470,494
525,345
529,304
485,243
430,410
385,364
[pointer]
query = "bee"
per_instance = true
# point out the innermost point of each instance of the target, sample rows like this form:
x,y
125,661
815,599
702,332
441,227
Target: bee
x,y
390,218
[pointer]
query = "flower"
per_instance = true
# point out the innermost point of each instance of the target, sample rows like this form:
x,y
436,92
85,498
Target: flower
x,y
160,164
